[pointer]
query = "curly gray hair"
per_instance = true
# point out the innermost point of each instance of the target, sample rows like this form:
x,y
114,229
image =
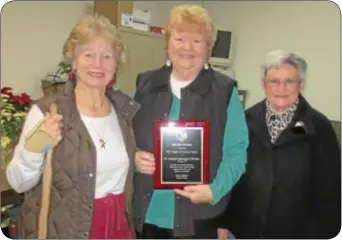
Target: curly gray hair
x,y
279,57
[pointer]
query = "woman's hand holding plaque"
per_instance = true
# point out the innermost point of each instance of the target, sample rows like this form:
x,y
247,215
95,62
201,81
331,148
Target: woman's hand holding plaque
x,y
145,162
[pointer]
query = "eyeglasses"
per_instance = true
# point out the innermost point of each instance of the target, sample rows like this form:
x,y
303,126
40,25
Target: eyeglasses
x,y
288,83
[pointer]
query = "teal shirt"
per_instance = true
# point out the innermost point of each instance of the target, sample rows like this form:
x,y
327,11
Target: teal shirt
x,y
161,209
234,155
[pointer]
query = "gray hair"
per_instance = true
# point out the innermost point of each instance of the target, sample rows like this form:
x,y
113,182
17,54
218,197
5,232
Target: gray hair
x,y
279,57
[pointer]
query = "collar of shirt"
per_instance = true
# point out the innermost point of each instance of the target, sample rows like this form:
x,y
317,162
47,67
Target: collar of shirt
x,y
277,122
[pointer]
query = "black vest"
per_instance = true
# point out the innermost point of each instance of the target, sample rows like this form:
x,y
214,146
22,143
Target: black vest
x,y
206,98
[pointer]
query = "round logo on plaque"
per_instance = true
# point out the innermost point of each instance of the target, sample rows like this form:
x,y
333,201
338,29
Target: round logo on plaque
x,y
182,135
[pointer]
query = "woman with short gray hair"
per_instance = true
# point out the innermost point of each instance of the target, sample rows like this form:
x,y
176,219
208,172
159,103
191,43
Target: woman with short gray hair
x,y
292,185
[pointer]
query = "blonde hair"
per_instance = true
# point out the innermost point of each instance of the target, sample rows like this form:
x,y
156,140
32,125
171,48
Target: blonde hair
x,y
192,17
88,27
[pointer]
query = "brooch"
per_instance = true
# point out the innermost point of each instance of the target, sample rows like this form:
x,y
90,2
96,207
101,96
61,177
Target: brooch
x,y
299,128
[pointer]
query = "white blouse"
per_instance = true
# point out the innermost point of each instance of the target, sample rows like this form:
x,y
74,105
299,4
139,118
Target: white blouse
x,y
24,171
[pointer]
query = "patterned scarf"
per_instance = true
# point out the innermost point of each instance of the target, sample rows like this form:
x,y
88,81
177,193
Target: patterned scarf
x,y
277,122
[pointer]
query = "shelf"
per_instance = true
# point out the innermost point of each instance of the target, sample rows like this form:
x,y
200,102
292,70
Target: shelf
x,y
145,33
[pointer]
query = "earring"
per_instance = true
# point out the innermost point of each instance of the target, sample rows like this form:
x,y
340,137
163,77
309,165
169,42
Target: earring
x,y
111,84
168,63
72,74
206,66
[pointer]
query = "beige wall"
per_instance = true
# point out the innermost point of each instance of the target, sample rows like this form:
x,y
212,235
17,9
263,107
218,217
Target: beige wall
x,y
309,28
33,34
32,37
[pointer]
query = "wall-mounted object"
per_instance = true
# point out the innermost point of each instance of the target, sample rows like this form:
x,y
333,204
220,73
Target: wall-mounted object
x,y
113,9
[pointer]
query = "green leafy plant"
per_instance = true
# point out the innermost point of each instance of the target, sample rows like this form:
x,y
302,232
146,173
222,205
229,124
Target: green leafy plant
x,y
65,71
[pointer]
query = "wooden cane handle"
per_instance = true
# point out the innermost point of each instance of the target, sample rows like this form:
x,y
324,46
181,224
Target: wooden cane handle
x,y
46,189
53,109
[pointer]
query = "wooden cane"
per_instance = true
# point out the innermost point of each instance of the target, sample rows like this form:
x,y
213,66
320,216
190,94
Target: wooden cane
x,y
46,188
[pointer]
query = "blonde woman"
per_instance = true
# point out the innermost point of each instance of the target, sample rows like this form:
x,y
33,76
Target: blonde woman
x,y
187,88
93,160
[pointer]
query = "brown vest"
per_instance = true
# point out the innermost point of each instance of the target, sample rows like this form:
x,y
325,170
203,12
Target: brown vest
x,y
74,171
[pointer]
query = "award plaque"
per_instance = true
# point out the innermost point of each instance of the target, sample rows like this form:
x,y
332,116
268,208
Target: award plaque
x,y
181,151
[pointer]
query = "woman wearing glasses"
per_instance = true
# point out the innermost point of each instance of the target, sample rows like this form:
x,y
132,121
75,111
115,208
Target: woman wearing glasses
x,y
291,187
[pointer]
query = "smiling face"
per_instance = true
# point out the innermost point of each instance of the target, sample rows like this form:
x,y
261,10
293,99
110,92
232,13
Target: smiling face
x,y
95,62
282,85
187,50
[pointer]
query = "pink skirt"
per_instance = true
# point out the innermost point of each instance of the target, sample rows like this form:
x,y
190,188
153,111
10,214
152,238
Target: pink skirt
x,y
110,219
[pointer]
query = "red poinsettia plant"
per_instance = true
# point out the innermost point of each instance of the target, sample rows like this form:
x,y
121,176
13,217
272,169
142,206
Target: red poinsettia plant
x,y
20,101
14,108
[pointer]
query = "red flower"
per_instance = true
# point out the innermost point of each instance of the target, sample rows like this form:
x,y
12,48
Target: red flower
x,y
22,99
25,99
7,91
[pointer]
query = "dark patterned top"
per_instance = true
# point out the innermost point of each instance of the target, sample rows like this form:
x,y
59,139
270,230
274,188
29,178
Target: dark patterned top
x,y
277,122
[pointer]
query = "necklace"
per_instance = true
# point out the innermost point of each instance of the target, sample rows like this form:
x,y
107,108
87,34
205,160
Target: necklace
x,y
103,122
101,140
102,143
